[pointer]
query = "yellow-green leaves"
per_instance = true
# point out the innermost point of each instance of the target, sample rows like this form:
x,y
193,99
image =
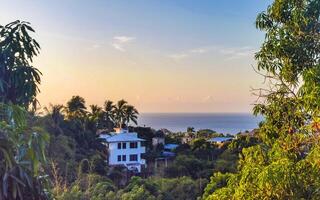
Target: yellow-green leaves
x,y
286,165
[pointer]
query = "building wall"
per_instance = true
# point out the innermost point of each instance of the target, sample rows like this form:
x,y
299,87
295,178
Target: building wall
x,y
114,152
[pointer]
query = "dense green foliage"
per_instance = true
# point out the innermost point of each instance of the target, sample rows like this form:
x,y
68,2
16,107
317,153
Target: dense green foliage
x,y
22,154
60,156
286,164
18,78
94,187
72,164
22,144
185,177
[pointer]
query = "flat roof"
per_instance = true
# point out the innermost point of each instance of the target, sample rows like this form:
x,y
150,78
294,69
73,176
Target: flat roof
x,y
121,137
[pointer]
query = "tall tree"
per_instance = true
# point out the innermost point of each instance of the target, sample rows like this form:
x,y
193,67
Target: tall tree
x,y
95,112
21,145
76,108
120,113
109,114
286,164
95,117
19,80
55,112
108,109
131,115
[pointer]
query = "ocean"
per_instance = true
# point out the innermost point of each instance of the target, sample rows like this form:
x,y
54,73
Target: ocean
x,y
220,122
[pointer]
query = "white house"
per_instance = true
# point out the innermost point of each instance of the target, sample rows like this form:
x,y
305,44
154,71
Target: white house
x,y
157,141
220,140
125,149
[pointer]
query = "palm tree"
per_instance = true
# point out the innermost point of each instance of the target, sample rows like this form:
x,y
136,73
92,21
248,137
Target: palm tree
x,y
55,112
119,112
131,115
76,108
109,114
95,116
95,112
109,110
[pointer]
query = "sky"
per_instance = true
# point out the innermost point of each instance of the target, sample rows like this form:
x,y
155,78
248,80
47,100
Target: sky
x,y
159,55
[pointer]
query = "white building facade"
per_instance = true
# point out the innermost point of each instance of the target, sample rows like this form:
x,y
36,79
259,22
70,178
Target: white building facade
x,y
125,148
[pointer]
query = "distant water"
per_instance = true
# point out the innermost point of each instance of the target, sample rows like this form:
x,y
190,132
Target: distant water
x,y
220,122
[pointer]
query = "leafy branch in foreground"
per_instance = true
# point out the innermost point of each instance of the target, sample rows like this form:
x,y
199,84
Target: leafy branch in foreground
x,y
286,164
22,152
18,78
22,146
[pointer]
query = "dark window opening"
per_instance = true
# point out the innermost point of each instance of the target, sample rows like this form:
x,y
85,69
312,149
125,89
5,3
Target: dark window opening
x,y
133,157
133,145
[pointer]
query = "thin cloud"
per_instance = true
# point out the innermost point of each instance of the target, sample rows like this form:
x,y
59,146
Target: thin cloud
x,y
123,39
175,99
228,53
207,99
178,57
119,42
96,46
237,52
118,47
198,51
187,53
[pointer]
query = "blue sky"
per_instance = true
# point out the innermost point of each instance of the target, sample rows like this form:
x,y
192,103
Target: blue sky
x,y
162,56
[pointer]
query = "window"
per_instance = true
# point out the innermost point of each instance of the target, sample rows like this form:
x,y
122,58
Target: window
x,y
119,145
124,158
133,145
124,145
119,158
133,157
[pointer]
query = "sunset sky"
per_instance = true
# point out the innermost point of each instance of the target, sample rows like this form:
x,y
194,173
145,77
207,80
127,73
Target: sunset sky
x,y
161,56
